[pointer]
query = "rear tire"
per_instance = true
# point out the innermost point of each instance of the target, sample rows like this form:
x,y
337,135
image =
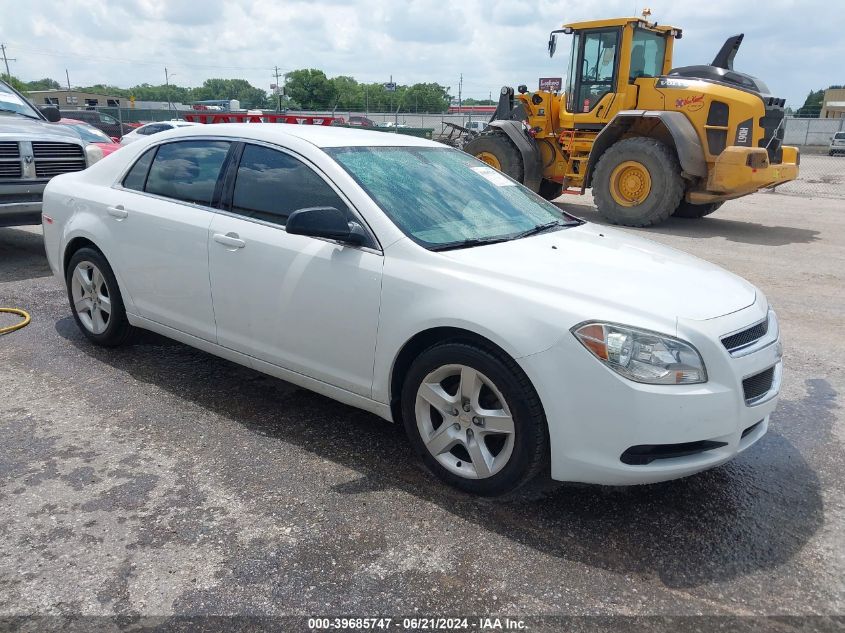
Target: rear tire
x,y
473,416
95,299
549,189
637,182
695,211
497,150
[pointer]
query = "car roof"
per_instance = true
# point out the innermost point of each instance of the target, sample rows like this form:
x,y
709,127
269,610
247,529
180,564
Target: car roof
x,y
319,135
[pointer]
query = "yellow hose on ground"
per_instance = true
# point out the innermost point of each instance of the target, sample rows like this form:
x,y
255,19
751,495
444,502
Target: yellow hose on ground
x,y
16,326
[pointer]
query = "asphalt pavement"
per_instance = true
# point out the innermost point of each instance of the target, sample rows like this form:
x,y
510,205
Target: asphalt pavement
x,y
157,480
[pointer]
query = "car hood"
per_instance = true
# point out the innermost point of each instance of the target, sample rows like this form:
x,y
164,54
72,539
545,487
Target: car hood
x,y
603,265
21,128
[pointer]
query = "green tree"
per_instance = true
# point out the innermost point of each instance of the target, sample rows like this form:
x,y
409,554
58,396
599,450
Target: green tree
x,y
311,88
348,93
14,82
240,89
428,97
43,84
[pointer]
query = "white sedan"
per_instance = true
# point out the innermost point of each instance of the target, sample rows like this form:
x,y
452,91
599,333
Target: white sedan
x,y
153,128
408,279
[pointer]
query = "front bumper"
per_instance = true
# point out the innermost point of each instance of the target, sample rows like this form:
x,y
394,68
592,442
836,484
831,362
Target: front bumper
x,y
20,203
739,171
595,415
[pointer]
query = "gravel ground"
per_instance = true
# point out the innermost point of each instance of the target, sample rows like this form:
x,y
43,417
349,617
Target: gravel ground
x,y
156,480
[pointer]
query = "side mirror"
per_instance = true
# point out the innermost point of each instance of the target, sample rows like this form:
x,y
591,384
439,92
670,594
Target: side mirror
x,y
52,113
326,222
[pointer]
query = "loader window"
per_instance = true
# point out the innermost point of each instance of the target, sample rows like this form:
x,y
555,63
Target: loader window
x,y
647,54
596,71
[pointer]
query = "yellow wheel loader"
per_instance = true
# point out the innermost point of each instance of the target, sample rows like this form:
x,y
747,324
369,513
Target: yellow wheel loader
x,y
651,141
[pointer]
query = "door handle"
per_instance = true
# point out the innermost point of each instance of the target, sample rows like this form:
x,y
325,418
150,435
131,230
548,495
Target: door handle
x,y
117,212
230,240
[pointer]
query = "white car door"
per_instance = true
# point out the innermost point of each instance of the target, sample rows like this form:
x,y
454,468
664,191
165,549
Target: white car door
x,y
160,233
305,304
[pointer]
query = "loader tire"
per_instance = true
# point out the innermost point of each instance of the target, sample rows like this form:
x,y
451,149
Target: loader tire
x,y
637,182
497,150
549,189
695,211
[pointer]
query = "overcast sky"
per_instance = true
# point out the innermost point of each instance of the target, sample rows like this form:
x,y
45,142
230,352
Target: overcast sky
x,y
793,46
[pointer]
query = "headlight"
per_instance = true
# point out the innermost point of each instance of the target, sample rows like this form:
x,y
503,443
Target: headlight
x,y
642,356
93,153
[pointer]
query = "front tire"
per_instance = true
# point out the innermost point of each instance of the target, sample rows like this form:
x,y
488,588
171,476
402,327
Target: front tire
x,y
475,419
695,211
637,182
497,150
95,299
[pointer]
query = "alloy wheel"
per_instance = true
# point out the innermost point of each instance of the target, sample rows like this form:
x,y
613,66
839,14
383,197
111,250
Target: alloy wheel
x,y
464,421
91,297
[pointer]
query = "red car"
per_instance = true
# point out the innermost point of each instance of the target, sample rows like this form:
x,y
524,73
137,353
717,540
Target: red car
x,y
92,136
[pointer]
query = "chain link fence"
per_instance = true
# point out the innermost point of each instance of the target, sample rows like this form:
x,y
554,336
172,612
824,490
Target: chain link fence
x,y
822,171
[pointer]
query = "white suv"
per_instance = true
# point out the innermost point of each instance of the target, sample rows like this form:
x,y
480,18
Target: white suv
x,y
837,144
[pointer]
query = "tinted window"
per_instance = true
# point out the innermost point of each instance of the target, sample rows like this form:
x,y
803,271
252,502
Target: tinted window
x,y
137,176
187,170
270,185
151,129
647,54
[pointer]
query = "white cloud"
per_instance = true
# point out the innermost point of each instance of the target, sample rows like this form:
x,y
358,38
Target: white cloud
x,y
793,46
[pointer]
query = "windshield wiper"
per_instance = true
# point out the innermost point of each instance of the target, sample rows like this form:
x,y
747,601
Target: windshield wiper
x,y
474,241
541,228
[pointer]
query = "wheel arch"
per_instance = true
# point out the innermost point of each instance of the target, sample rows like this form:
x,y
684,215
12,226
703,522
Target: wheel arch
x,y
85,240
671,126
74,245
421,341
532,161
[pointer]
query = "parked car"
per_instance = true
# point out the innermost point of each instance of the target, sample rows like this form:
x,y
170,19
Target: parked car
x,y
361,121
499,330
32,150
153,128
92,136
392,124
100,120
837,144
476,126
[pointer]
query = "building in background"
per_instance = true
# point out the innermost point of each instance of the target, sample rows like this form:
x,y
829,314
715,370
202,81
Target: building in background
x,y
69,99
833,104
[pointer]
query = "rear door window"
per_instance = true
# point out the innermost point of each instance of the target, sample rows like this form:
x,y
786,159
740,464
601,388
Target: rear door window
x,y
137,176
270,185
187,170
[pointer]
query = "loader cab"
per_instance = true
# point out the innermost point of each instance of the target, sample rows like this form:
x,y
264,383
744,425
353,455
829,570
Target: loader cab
x,y
605,58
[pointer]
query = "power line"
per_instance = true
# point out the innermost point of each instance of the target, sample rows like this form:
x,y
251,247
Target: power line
x,y
6,60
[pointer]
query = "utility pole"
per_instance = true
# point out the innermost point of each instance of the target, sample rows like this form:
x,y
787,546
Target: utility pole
x,y
67,76
167,83
6,61
278,89
460,87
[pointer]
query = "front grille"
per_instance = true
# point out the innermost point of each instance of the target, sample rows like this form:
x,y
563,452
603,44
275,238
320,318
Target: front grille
x,y
48,169
10,149
646,453
744,338
44,149
11,169
52,159
773,130
758,385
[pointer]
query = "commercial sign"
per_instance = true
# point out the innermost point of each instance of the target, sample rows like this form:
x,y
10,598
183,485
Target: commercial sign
x,y
551,84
